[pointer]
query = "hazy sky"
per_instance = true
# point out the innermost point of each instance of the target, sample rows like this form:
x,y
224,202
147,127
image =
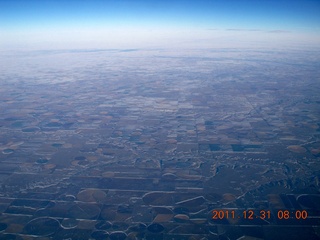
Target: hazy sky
x,y
157,23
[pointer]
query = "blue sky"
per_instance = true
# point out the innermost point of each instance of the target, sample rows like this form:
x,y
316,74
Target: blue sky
x,y
63,22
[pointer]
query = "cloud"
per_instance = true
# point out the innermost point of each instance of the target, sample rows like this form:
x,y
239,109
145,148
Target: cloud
x,y
279,31
257,30
243,30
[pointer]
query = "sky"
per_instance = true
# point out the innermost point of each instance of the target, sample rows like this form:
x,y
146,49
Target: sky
x,y
28,24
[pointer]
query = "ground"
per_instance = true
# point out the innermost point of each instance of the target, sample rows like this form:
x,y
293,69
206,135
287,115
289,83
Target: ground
x,y
148,143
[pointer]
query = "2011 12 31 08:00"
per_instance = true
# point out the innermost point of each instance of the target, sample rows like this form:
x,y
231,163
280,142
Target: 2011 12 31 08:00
x,y
250,214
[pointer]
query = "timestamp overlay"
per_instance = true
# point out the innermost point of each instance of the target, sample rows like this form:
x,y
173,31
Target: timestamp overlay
x,y
260,216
